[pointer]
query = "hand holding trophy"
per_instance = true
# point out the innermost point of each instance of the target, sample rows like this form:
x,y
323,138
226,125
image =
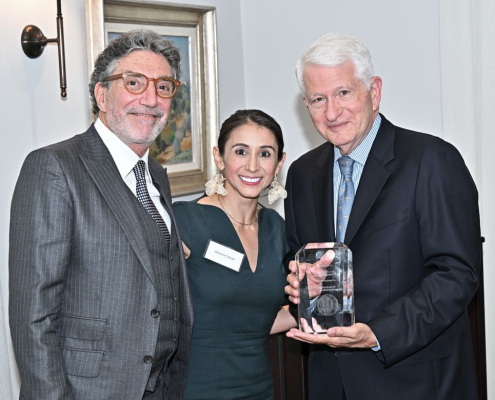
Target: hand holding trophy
x,y
324,272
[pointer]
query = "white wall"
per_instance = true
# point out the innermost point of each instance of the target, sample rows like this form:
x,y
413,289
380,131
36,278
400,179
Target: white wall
x,y
406,57
259,42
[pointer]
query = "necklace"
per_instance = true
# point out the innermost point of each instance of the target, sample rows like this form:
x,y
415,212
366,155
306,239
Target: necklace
x,y
239,222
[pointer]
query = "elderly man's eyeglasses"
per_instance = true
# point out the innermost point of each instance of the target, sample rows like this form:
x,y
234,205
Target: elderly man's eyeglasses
x,y
136,83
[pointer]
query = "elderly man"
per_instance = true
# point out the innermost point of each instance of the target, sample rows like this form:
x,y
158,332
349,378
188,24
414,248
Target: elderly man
x,y
409,213
99,301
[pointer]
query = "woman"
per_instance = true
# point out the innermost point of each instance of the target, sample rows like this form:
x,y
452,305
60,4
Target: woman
x,y
234,249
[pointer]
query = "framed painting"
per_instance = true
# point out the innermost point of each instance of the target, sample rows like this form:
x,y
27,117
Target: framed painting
x,y
184,147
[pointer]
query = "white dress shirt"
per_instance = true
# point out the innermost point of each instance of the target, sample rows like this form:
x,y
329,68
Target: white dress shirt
x,y
126,160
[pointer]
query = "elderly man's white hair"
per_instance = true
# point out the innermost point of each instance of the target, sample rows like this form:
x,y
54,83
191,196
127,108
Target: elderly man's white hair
x,y
334,49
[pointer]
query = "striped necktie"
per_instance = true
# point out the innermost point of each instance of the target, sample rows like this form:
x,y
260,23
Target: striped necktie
x,y
145,199
345,198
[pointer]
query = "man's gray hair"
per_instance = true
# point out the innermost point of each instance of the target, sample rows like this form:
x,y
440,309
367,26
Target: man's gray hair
x,y
334,49
139,39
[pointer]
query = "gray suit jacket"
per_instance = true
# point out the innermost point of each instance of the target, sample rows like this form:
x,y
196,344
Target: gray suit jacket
x,y
82,284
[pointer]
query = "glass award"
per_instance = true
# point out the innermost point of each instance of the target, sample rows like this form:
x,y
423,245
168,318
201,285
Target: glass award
x,y
326,286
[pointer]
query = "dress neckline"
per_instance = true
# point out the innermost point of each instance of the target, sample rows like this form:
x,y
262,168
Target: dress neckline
x,y
260,219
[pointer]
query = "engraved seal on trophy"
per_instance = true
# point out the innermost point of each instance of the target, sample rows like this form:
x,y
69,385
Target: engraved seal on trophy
x,y
327,305
326,286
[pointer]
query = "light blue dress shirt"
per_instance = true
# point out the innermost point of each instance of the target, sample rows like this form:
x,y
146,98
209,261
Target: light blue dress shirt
x,y
359,155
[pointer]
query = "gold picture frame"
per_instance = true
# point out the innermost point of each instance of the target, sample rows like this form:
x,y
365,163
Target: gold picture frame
x,y
185,146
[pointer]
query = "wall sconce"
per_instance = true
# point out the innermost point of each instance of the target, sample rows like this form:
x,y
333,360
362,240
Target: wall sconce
x,y
33,43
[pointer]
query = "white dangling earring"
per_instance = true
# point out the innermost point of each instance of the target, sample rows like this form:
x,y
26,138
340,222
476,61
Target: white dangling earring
x,y
276,191
215,186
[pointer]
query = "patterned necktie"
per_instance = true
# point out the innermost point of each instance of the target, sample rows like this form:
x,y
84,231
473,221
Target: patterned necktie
x,y
145,199
346,196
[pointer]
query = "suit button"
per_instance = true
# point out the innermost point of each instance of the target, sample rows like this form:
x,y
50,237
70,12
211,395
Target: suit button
x,y
148,359
155,313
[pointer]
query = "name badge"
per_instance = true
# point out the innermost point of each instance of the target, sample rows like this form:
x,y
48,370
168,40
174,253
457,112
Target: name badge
x,y
224,255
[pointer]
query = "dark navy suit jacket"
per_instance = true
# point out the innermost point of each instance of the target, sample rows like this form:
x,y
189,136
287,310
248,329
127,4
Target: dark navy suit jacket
x,y
414,232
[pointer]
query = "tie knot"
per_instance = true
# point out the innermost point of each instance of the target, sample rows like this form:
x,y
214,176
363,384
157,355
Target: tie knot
x,y
346,163
140,170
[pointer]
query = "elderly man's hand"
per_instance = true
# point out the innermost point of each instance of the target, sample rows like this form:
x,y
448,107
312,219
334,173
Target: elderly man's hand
x,y
316,274
315,277
355,336
292,289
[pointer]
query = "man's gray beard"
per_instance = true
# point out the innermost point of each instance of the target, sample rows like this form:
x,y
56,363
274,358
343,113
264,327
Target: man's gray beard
x,y
123,135
156,130
154,134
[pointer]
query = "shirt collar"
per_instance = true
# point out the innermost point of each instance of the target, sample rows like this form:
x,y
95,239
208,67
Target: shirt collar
x,y
124,157
360,153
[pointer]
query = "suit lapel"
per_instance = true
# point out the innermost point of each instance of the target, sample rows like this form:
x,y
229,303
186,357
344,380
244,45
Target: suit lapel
x,y
160,180
120,199
375,174
323,194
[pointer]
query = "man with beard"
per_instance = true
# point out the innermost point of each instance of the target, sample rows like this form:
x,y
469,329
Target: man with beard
x,y
99,301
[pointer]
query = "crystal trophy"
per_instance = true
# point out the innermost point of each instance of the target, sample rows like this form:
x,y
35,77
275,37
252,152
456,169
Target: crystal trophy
x,y
326,286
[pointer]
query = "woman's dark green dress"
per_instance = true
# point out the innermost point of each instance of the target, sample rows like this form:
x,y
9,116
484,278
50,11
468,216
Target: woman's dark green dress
x,y
233,311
